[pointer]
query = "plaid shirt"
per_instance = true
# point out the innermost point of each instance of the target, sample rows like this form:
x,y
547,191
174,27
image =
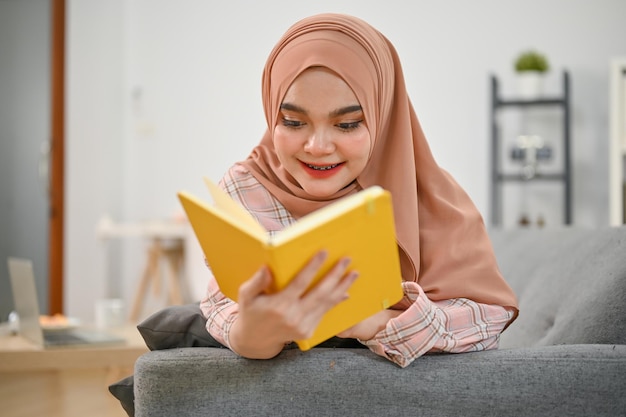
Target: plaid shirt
x,y
455,325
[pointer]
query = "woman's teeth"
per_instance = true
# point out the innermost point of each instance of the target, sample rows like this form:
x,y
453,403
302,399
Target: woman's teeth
x,y
322,168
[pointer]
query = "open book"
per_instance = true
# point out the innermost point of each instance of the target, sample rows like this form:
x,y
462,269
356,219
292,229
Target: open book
x,y
360,226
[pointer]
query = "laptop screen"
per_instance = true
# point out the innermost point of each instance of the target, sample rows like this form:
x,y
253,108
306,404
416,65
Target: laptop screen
x,y
25,298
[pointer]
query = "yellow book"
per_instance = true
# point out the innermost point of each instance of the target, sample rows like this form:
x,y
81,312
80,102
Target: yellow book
x,y
360,226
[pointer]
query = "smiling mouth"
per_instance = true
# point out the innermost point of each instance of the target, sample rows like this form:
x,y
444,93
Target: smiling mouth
x,y
322,167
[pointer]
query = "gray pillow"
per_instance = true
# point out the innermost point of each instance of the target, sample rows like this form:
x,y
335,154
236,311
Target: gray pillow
x,y
176,327
123,391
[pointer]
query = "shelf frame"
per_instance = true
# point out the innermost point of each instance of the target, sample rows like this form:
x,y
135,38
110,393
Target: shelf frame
x,y
498,177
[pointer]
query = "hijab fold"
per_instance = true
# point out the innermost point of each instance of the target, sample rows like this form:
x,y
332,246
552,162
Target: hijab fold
x,y
442,240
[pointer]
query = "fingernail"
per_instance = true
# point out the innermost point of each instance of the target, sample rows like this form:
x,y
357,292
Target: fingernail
x,y
345,262
321,255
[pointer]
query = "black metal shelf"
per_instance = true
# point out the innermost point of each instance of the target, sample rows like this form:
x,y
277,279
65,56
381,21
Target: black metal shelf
x,y
498,177
537,177
530,103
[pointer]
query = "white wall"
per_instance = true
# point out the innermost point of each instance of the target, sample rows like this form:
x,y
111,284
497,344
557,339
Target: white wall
x,y
161,93
95,151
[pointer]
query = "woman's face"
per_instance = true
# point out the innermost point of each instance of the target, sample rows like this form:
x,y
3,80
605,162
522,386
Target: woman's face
x,y
321,137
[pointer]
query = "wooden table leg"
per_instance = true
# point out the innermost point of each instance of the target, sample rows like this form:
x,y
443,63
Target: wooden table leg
x,y
175,257
149,273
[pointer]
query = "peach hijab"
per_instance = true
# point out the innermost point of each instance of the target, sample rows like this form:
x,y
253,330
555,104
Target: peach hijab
x,y
441,236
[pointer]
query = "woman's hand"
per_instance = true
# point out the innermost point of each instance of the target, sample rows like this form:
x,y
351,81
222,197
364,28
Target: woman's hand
x,y
265,322
367,329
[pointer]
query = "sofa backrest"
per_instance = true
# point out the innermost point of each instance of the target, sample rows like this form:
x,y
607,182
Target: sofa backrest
x,y
570,283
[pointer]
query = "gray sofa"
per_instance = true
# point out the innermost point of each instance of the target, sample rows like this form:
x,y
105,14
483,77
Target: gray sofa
x,y
565,355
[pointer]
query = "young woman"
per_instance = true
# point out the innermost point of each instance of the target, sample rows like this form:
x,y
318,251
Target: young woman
x,y
339,120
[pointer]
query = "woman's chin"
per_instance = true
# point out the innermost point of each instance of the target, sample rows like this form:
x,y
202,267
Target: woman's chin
x,y
321,189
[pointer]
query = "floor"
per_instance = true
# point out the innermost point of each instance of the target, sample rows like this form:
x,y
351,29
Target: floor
x,y
71,393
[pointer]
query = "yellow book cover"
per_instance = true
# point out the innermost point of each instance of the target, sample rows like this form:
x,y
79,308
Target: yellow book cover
x,y
360,226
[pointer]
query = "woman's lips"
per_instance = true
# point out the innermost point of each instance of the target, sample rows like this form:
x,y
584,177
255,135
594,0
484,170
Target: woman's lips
x,y
321,170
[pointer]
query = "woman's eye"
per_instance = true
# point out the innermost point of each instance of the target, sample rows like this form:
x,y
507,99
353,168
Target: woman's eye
x,y
292,123
349,125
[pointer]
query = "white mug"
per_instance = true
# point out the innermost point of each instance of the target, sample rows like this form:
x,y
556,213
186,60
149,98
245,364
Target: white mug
x,y
109,313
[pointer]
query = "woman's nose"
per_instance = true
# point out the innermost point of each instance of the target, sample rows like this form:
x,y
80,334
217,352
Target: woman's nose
x,y
319,143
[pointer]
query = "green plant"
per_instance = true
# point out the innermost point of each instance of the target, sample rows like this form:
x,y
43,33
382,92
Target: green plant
x,y
531,61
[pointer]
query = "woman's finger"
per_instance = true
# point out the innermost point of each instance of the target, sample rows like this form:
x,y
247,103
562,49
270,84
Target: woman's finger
x,y
255,286
303,279
332,290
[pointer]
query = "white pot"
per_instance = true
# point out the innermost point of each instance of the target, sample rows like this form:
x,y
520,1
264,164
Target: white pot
x,y
530,84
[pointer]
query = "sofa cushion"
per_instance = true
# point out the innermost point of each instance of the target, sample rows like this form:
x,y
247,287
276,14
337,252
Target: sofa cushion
x,y
572,380
172,327
183,326
571,285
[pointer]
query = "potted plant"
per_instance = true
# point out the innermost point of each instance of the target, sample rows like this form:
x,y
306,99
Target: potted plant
x,y
531,67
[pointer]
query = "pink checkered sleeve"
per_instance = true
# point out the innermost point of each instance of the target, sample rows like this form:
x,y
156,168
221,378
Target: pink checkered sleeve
x,y
219,310
453,326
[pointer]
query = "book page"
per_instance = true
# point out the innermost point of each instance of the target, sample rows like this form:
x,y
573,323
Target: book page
x,y
324,215
233,209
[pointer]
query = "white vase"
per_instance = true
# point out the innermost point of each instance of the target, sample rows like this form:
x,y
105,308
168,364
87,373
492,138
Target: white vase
x,y
530,84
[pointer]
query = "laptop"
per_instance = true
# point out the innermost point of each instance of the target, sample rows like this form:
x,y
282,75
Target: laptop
x,y
27,307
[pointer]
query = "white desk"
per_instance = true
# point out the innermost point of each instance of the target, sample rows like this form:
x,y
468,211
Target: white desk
x,y
167,240
18,354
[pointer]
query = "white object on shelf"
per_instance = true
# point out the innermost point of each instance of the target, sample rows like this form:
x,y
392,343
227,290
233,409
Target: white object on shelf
x,y
530,84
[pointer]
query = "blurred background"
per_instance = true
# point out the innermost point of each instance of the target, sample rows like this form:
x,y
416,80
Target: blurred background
x,y
160,93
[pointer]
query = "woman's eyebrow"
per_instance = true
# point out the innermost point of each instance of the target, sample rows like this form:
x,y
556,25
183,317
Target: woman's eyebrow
x,y
345,110
292,107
